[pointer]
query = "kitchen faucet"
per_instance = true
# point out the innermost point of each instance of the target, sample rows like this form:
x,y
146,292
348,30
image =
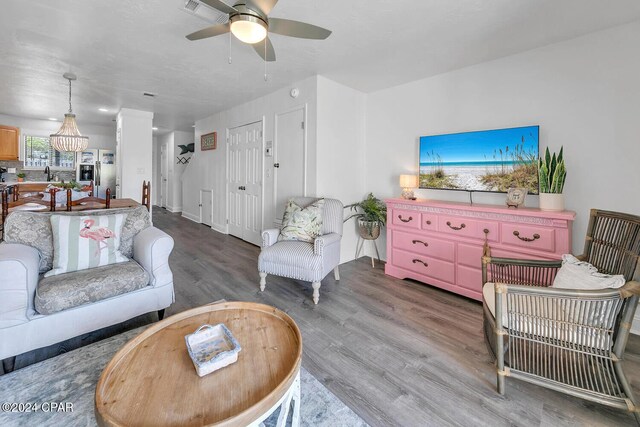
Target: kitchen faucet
x,y
48,172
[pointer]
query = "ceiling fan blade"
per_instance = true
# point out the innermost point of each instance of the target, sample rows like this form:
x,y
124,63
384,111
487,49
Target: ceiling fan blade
x,y
264,5
259,48
212,31
287,27
218,5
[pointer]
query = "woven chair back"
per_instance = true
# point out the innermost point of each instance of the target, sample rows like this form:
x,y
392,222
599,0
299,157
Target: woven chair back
x,y
612,243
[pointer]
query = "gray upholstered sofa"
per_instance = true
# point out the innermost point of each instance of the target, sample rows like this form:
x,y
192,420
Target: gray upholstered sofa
x,y
36,311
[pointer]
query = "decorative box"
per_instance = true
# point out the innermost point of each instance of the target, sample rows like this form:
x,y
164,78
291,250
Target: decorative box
x,y
212,348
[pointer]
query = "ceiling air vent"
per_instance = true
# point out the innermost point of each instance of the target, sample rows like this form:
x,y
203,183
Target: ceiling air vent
x,y
204,12
149,94
191,5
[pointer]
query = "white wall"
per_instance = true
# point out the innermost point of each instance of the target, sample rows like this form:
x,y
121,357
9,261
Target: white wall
x,y
584,93
341,151
155,180
207,169
175,170
136,164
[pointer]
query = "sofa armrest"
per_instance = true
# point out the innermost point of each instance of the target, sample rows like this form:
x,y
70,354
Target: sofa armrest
x,y
269,237
19,278
151,249
325,240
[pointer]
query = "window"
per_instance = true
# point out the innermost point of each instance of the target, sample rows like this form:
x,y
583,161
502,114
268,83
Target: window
x,y
38,153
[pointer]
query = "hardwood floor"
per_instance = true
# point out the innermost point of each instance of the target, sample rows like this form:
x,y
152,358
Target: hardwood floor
x,y
397,352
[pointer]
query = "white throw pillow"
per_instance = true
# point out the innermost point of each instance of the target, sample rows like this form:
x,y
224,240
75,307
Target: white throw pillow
x,y
82,242
576,274
302,224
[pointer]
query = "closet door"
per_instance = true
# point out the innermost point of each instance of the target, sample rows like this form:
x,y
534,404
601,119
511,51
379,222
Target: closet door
x,y
289,163
245,182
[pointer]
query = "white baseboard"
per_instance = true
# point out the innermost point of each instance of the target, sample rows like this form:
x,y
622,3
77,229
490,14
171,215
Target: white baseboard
x,y
220,228
191,217
174,209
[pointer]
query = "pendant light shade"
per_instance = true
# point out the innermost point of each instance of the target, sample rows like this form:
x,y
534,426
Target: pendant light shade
x,y
68,138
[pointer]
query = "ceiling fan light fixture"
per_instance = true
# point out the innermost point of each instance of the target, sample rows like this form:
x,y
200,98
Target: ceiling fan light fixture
x,y
248,29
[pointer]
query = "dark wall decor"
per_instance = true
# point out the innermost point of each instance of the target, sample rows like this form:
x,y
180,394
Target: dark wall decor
x,y
209,141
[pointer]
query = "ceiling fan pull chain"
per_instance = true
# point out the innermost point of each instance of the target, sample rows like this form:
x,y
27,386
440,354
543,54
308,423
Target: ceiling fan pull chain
x,y
230,47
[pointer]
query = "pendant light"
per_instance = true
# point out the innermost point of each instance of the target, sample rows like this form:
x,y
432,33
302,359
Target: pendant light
x,y
68,138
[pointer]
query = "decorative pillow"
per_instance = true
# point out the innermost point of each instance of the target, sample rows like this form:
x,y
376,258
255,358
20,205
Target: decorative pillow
x,y
82,242
302,224
576,274
34,229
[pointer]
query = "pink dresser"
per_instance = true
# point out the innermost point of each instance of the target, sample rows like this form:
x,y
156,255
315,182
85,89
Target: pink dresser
x,y
441,243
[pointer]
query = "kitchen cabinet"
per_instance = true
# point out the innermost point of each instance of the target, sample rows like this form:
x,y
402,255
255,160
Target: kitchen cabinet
x,y
9,143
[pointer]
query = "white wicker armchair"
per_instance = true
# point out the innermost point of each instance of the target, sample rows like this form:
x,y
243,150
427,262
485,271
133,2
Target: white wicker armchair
x,y
569,340
310,262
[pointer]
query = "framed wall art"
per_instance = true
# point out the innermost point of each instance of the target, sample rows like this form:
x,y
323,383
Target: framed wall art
x,y
209,141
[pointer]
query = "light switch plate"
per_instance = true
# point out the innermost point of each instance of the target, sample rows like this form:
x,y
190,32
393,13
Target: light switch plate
x,y
11,170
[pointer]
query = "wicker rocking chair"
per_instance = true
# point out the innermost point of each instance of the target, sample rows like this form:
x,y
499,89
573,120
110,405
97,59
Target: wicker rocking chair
x,y
568,340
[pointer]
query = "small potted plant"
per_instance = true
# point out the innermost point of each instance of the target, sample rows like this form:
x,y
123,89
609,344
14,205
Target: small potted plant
x,y
371,214
552,174
21,176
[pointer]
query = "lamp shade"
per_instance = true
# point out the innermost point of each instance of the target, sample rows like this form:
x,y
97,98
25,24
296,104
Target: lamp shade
x,y
409,181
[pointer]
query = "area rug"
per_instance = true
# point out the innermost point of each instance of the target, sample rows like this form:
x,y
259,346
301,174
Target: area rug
x,y
72,378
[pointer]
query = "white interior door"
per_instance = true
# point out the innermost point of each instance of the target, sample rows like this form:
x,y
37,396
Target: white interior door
x,y
245,182
164,166
206,207
289,160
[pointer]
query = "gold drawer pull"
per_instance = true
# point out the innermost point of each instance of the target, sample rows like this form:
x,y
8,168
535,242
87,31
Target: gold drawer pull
x,y
405,220
453,227
421,262
536,236
420,241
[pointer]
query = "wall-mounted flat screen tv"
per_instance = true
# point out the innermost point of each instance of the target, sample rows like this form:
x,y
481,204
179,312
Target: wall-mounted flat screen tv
x,y
489,160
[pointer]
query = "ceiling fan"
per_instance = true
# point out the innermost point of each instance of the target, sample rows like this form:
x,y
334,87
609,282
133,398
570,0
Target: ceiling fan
x,y
249,22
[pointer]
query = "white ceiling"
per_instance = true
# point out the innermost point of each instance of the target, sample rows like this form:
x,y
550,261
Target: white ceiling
x,y
122,48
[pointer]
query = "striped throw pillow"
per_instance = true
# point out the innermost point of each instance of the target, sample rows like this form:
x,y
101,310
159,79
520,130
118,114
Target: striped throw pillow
x,y
82,242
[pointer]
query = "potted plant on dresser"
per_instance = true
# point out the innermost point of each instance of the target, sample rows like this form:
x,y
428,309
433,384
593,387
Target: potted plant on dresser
x,y
371,214
552,173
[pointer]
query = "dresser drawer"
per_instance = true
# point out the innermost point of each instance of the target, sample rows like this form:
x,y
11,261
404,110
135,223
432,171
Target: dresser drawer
x,y
429,222
431,267
528,236
424,245
469,278
408,219
465,227
470,255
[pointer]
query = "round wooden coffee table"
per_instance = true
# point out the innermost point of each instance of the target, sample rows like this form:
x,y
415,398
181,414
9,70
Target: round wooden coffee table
x,y
152,381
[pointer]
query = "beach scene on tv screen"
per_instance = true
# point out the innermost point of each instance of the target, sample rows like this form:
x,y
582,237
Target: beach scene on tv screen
x,y
492,160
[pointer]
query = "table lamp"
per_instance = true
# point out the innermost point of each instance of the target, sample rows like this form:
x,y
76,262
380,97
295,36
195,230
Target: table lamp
x,y
408,183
